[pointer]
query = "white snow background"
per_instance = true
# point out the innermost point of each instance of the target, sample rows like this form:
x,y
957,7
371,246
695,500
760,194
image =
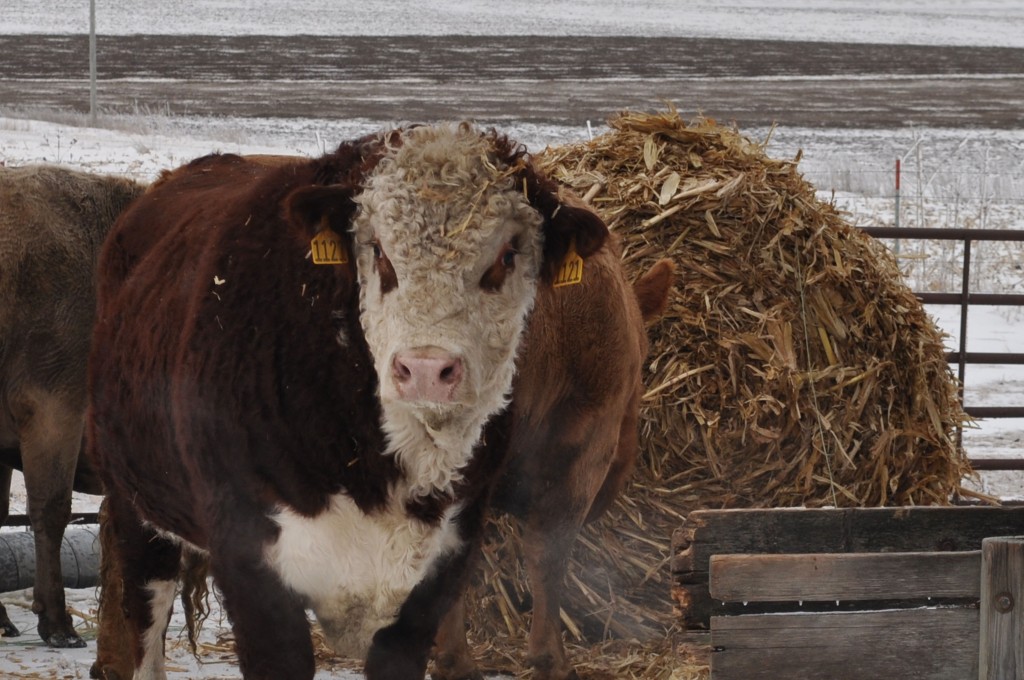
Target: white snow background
x,y
961,177
938,22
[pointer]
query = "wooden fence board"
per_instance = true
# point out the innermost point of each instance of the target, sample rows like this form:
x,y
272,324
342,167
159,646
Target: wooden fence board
x,y
1002,609
799,530
856,576
802,531
915,644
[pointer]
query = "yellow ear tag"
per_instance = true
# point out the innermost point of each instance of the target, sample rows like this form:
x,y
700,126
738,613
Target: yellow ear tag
x,y
327,248
571,271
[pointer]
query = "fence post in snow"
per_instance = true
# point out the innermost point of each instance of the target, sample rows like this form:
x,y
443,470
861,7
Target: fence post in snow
x,y
92,63
897,203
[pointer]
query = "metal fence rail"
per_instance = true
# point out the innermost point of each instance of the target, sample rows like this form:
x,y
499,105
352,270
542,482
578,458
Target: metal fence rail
x,y
965,299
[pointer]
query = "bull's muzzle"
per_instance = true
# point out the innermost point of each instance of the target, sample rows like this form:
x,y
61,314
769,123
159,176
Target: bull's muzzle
x,y
427,374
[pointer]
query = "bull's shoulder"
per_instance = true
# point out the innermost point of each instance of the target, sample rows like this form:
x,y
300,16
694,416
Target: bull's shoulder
x,y
220,169
246,321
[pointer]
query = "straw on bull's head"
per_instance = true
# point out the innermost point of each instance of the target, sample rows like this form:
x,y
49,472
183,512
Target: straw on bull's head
x,y
455,229
453,232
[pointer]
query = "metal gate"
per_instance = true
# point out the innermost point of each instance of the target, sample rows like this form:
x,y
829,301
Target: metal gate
x,y
965,299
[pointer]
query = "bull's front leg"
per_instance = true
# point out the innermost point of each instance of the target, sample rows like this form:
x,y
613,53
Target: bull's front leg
x,y
115,645
453,659
7,628
400,651
50,442
546,552
551,526
272,637
140,570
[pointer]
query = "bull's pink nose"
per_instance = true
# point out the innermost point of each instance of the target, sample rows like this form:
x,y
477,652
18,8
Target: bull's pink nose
x,y
426,374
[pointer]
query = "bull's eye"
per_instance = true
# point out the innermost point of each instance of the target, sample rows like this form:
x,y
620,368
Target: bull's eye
x,y
386,271
494,277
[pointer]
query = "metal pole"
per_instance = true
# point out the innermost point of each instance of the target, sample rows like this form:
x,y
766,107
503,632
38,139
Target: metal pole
x,y
897,193
965,297
92,63
897,225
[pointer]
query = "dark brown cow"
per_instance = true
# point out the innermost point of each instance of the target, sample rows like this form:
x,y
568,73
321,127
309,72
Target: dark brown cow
x,y
52,222
573,437
235,403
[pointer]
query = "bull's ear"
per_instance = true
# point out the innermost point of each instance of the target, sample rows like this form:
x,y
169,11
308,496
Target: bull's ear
x,y
313,208
568,222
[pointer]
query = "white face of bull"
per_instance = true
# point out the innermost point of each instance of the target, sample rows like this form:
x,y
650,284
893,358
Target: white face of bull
x,y
448,251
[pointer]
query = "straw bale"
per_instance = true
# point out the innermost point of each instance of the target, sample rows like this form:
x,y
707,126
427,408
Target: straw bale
x,y
793,367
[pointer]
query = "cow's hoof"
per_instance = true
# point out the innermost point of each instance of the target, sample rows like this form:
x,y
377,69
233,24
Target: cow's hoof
x,y
546,668
98,672
8,629
450,667
59,634
64,641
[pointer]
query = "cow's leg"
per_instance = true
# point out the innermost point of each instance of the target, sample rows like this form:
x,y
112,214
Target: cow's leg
x,y
453,659
261,607
546,548
622,464
50,441
149,568
549,535
5,492
7,628
115,656
400,651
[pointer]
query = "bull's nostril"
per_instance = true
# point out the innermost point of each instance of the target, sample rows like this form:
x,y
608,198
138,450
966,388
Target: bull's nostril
x,y
452,373
400,370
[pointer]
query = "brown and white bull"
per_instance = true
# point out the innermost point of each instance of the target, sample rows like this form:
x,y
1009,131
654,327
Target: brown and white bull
x,y
572,437
235,403
52,222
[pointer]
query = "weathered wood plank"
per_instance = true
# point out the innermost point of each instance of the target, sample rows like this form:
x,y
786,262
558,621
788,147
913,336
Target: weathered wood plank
x,y
843,530
1002,609
915,644
800,531
856,576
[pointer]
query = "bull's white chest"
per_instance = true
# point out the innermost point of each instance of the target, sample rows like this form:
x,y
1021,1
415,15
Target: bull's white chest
x,y
357,569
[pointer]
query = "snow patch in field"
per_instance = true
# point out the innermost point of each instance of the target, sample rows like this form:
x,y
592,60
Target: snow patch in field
x,y
940,22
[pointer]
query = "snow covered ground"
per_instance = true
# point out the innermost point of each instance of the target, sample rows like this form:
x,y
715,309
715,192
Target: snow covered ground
x,y
940,22
27,657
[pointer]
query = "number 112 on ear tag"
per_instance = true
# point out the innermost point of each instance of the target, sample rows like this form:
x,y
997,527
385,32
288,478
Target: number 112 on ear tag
x,y
571,271
327,248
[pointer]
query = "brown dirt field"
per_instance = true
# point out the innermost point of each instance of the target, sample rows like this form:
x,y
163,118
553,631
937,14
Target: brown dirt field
x,y
557,80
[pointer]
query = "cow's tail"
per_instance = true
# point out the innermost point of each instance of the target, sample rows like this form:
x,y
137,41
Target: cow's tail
x,y
652,289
